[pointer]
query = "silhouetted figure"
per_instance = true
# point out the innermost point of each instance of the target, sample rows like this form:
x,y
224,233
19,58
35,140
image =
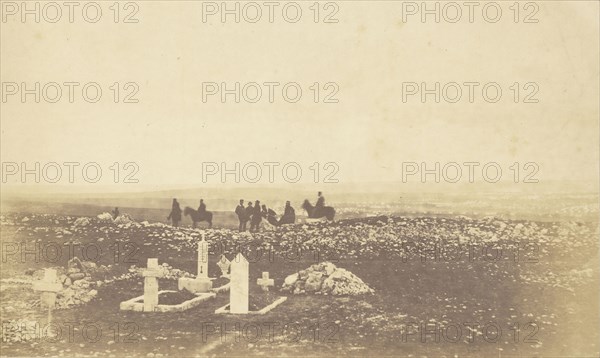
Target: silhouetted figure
x,y
289,215
272,217
202,209
256,217
264,211
320,204
115,213
175,215
249,211
240,211
326,211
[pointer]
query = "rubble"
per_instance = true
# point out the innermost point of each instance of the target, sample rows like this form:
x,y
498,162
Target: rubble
x,y
124,219
327,279
81,222
105,217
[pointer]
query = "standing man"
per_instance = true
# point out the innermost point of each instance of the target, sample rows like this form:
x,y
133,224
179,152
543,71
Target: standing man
x,y
256,217
175,214
115,213
265,212
248,213
289,215
240,211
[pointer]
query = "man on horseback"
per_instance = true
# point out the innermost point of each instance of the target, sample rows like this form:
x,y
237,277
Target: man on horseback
x,y
319,205
240,211
202,209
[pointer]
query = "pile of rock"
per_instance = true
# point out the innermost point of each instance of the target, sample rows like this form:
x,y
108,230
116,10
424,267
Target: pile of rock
x,y
78,286
123,219
326,279
167,272
105,217
80,222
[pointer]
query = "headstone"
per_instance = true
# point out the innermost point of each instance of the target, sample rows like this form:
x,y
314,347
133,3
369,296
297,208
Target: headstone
x,y
265,282
151,275
201,283
238,292
224,266
203,259
48,287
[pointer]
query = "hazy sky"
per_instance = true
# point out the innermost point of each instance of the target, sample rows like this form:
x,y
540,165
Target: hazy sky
x,y
368,54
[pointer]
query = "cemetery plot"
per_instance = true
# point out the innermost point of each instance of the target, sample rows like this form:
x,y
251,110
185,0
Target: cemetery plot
x,y
149,302
427,280
239,302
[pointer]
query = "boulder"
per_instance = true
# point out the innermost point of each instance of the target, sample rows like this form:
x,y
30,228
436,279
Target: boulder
x,y
291,279
76,276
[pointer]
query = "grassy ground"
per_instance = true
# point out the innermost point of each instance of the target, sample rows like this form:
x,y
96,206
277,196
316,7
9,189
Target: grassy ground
x,y
479,304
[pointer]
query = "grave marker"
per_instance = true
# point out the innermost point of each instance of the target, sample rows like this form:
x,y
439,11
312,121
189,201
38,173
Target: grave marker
x,y
265,282
238,292
151,275
202,259
48,287
224,264
201,283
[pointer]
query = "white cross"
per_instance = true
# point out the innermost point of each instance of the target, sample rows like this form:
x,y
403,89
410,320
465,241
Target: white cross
x,y
49,286
265,281
151,285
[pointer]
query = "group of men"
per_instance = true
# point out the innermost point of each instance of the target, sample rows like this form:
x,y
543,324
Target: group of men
x,y
256,213
252,213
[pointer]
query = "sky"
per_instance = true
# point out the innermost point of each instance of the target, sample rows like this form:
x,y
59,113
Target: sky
x,y
367,56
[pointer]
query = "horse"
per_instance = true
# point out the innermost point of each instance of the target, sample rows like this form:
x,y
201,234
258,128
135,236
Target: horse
x,y
284,219
197,217
327,211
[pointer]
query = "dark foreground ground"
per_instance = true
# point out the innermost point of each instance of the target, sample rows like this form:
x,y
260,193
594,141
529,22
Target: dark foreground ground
x,y
451,286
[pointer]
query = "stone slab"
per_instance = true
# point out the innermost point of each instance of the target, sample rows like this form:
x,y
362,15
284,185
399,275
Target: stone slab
x,y
194,285
136,304
280,300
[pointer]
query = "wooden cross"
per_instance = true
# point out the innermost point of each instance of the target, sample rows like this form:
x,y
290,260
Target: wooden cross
x,y
265,281
48,287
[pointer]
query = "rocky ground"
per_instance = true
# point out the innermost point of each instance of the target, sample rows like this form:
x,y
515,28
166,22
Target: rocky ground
x,y
532,281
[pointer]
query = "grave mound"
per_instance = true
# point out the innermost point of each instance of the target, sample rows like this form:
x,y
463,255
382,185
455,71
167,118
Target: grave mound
x,y
78,285
326,279
175,298
258,302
